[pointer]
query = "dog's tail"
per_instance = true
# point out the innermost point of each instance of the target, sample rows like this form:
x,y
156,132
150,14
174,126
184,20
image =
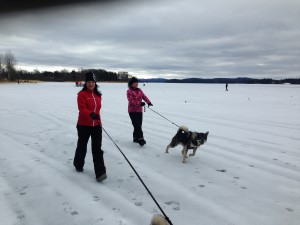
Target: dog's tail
x,y
183,128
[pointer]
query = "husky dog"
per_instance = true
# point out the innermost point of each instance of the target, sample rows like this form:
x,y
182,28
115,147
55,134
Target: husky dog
x,y
189,140
158,219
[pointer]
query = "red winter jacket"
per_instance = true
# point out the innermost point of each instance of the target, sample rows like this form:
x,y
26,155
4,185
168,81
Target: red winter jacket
x,y
135,96
88,102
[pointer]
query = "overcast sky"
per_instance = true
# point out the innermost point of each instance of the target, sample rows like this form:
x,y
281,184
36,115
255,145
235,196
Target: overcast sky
x,y
165,38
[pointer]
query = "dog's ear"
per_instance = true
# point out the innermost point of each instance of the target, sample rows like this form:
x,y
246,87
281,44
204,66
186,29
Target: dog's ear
x,y
207,133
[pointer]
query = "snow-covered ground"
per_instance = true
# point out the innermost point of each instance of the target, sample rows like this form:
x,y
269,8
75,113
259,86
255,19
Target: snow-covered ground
x,y
247,173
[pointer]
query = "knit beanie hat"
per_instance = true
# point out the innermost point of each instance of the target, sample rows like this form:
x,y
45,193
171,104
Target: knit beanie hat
x,y
90,77
132,80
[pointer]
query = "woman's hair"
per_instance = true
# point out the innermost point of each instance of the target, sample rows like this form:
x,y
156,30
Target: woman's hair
x,y
132,80
95,89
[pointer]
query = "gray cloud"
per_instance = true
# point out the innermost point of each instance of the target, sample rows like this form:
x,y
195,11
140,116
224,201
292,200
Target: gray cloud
x,y
161,38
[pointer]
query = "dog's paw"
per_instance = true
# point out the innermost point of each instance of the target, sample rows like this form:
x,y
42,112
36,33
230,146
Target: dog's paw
x,y
191,154
167,149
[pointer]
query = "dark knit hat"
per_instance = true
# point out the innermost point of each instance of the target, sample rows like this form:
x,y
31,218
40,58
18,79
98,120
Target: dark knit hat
x,y
132,80
90,77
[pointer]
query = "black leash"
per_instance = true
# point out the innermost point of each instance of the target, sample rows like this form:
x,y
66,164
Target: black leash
x,y
167,218
163,117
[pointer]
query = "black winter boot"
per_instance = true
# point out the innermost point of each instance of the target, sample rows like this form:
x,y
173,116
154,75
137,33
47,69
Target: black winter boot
x,y
141,141
101,178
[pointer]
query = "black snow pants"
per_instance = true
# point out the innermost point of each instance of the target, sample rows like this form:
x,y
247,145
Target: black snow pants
x,y
137,120
84,133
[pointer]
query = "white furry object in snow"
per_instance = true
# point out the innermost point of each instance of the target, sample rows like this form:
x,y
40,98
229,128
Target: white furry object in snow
x,y
158,219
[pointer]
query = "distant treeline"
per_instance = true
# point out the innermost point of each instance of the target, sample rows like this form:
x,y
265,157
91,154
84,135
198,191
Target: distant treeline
x,y
103,75
64,75
239,80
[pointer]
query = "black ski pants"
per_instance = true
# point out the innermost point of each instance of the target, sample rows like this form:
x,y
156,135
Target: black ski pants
x,y
137,121
84,133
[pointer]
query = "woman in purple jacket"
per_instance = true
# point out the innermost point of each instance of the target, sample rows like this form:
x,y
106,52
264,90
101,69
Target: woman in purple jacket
x,y
135,109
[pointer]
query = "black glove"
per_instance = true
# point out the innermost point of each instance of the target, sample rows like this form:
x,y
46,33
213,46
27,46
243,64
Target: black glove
x,y
95,116
150,104
142,103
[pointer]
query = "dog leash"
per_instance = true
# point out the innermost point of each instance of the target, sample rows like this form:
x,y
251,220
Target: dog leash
x,y
163,117
167,218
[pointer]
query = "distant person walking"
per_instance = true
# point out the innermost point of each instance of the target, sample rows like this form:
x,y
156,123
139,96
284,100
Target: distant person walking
x,y
135,109
89,125
226,86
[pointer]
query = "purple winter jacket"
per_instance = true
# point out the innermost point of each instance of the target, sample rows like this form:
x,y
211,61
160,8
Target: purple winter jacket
x,y
135,97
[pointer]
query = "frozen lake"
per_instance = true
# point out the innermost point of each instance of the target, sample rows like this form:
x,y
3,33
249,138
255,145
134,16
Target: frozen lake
x,y
248,172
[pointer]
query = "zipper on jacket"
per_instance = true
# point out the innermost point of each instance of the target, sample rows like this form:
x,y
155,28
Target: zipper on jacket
x,y
95,107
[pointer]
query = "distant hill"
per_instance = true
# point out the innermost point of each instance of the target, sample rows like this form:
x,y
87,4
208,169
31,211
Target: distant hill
x,y
238,80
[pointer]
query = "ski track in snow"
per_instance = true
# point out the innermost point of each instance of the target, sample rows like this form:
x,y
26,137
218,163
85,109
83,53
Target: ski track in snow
x,y
247,173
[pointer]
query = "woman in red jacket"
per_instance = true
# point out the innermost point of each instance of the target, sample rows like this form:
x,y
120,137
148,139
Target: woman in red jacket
x,y
89,125
135,109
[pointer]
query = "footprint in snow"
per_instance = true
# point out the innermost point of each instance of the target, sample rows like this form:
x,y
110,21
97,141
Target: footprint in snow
x,y
96,198
138,203
176,205
68,208
20,214
197,170
193,189
74,213
99,220
121,222
21,190
223,171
